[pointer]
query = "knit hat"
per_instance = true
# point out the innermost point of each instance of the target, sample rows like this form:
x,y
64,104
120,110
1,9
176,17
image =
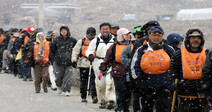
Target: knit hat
x,y
121,32
174,39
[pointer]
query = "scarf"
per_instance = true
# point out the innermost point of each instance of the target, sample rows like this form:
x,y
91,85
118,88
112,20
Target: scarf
x,y
155,46
40,50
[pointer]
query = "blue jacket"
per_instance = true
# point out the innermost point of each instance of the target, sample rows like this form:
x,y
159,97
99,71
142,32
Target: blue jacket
x,y
150,80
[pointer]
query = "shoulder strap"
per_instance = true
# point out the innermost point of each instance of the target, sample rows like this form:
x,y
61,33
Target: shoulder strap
x,y
83,41
97,43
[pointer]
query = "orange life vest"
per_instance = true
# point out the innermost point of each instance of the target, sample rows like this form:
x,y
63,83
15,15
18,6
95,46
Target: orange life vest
x,y
46,52
1,38
119,50
192,64
145,42
155,62
85,48
26,40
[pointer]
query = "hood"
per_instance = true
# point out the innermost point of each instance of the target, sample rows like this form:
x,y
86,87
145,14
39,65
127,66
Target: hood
x,y
44,39
186,42
65,27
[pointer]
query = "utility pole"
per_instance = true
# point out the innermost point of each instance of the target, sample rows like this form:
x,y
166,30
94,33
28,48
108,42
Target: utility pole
x,y
40,14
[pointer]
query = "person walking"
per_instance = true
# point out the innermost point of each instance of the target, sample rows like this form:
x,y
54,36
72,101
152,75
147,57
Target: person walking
x,y
38,57
80,60
186,66
149,68
99,46
61,52
26,68
126,58
119,72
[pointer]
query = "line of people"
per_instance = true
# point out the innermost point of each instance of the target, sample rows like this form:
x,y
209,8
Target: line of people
x,y
155,72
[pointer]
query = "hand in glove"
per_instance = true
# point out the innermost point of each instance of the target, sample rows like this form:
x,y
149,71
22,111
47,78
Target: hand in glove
x,y
100,75
91,57
74,64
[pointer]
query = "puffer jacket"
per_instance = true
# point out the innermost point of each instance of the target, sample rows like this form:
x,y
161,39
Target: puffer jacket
x,y
187,87
61,49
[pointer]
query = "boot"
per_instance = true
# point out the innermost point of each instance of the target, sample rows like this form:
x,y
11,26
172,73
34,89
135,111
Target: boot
x,y
110,105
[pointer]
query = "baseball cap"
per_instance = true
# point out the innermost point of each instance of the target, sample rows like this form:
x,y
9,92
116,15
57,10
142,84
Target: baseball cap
x,y
156,29
114,25
121,32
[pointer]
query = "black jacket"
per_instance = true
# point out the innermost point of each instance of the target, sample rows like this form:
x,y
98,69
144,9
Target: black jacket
x,y
61,49
185,87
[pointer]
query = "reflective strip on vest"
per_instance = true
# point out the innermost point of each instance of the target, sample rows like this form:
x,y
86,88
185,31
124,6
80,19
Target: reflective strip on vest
x,y
155,62
119,50
1,38
192,63
46,52
26,40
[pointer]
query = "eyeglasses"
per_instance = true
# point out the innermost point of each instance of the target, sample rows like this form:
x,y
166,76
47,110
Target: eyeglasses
x,y
196,37
156,34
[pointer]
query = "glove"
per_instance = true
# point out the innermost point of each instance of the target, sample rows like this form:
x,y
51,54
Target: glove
x,y
100,75
74,64
91,57
26,62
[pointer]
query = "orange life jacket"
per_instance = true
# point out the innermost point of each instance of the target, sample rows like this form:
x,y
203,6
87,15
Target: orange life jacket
x,y
26,40
46,52
192,64
1,38
85,48
119,50
155,62
145,42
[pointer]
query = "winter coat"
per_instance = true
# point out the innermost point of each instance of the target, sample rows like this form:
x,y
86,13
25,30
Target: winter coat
x,y
32,52
206,73
16,46
24,45
188,87
118,69
61,49
9,47
82,62
148,79
102,46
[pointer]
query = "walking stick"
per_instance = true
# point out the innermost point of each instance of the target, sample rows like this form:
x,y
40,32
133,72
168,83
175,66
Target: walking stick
x,y
89,77
174,95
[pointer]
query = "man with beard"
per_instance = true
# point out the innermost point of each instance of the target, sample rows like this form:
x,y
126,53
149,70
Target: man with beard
x,y
186,72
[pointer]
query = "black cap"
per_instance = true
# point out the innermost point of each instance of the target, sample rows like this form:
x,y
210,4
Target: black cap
x,y
91,31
